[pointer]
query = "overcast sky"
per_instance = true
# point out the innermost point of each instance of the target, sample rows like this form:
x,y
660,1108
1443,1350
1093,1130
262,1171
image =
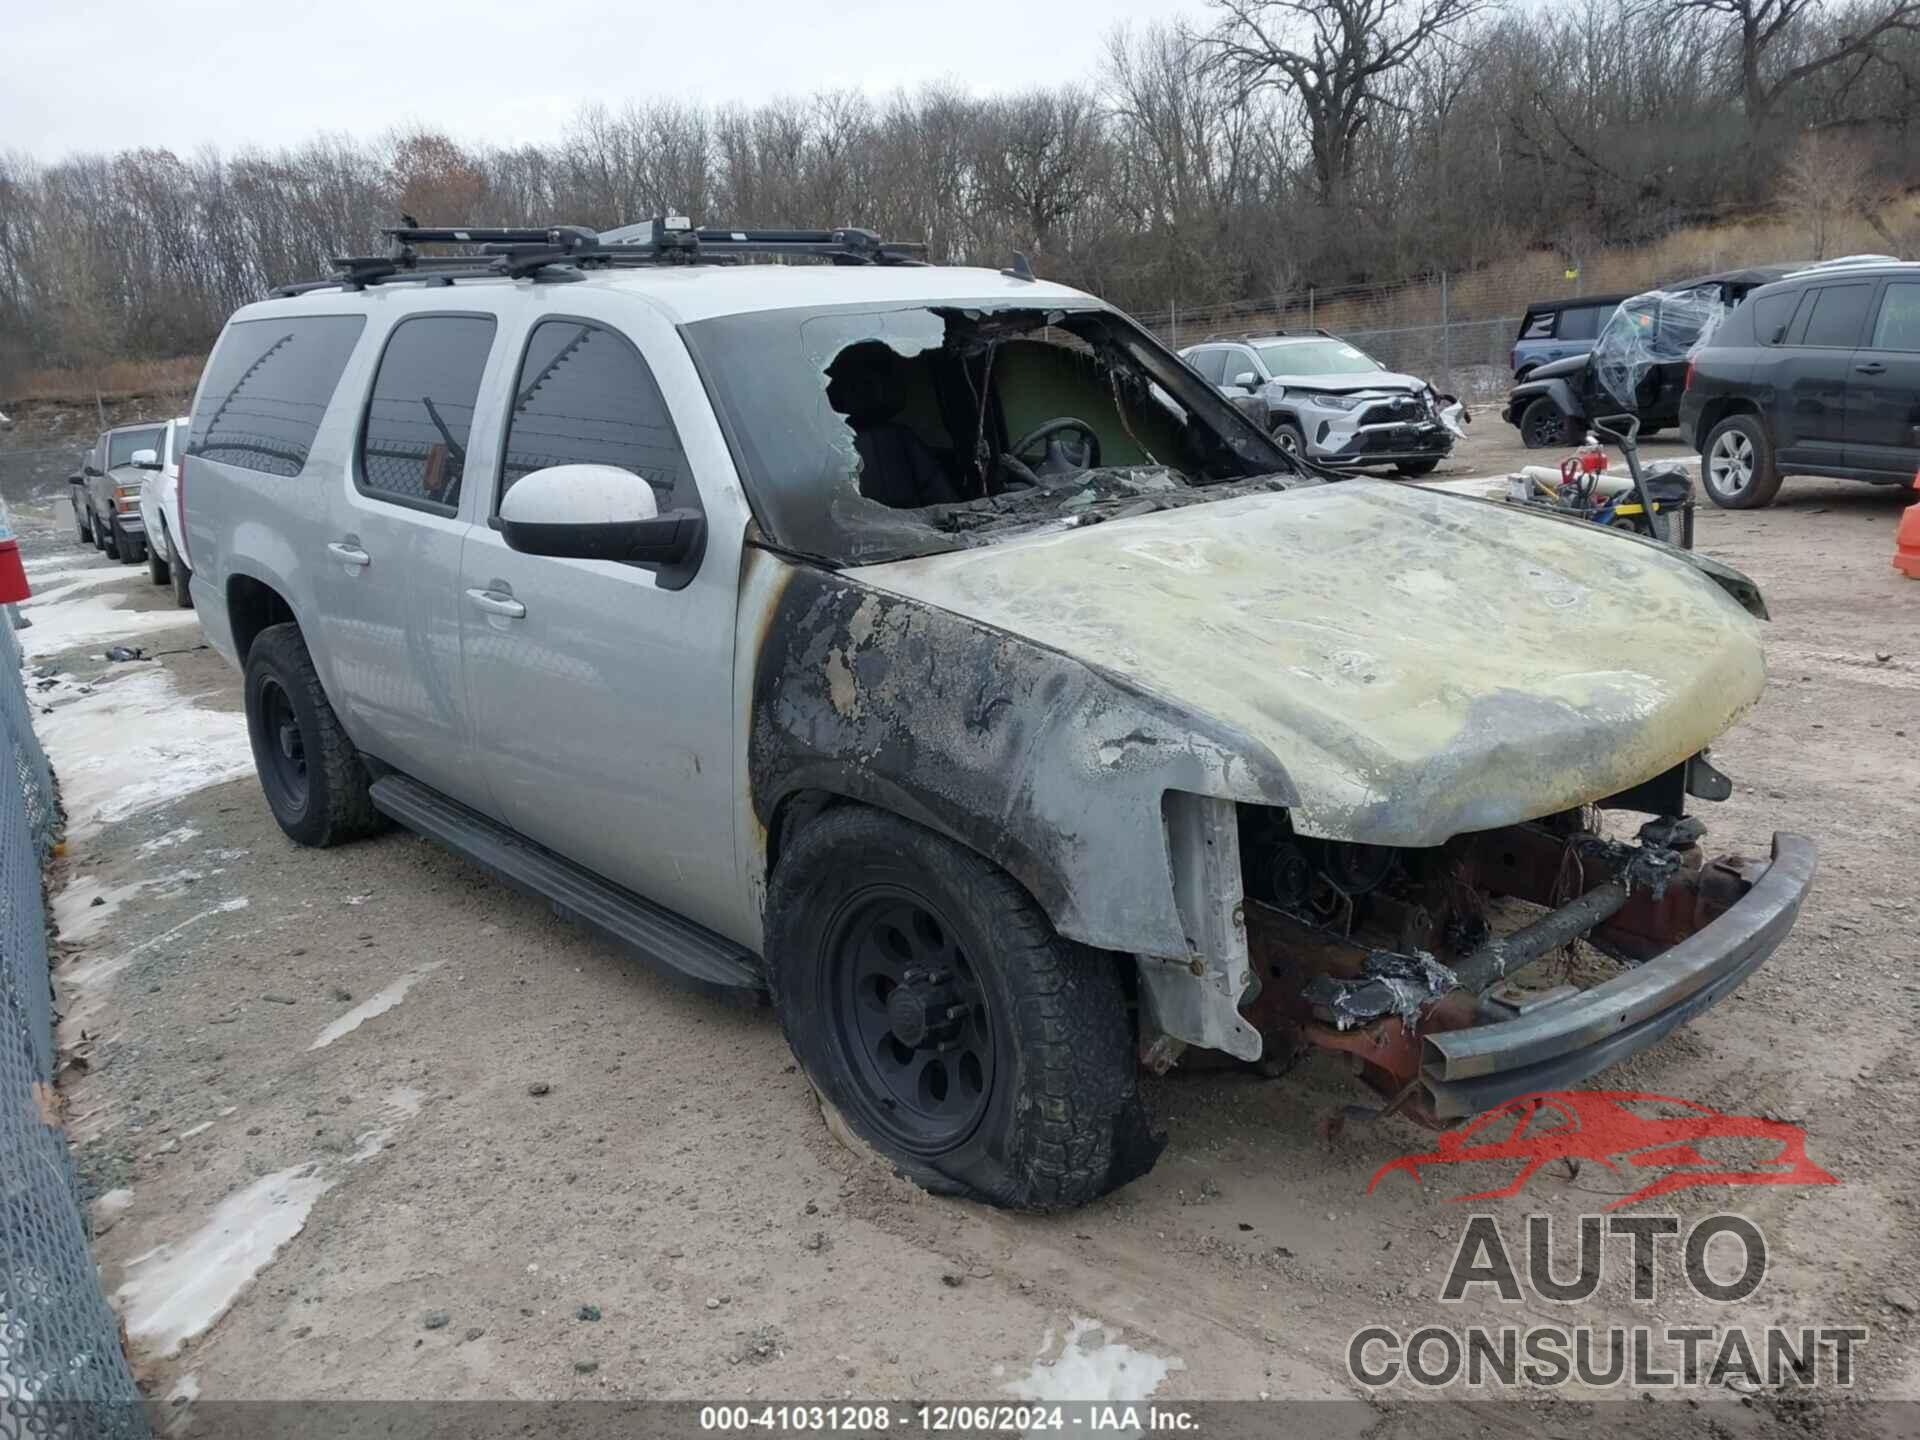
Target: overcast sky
x,y
116,74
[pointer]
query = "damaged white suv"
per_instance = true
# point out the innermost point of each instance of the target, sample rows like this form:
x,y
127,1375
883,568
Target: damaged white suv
x,y
932,650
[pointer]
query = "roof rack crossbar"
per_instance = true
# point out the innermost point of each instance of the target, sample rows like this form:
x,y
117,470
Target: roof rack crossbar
x,y
561,252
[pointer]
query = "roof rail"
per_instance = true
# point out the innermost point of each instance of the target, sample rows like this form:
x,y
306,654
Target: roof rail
x,y
562,252
1844,262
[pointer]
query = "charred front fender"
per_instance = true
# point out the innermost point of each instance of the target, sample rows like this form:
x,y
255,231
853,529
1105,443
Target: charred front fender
x,y
1049,767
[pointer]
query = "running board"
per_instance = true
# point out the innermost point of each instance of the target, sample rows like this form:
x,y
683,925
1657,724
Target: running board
x,y
676,947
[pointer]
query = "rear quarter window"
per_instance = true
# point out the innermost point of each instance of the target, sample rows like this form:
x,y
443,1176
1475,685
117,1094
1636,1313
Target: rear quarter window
x,y
267,388
1538,325
1582,322
1772,314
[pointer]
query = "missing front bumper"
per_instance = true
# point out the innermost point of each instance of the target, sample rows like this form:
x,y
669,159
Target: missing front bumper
x,y
1447,1016
1470,1070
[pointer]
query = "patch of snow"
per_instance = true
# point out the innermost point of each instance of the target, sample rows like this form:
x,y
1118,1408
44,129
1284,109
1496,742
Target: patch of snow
x,y
1092,1366
95,620
179,835
197,1129
64,585
135,742
185,1390
78,915
174,1292
374,1005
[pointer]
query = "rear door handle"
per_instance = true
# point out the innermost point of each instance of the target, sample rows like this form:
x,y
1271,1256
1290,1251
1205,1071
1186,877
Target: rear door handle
x,y
1872,367
494,603
349,554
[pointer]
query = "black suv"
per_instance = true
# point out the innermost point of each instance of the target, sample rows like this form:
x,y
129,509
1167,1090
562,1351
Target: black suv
x,y
1638,363
1816,375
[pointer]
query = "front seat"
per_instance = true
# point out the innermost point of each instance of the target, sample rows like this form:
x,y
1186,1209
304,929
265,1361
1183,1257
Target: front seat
x,y
897,467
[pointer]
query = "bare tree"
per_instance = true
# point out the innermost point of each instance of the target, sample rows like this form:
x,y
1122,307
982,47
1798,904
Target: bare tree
x,y
1770,64
1332,57
1829,181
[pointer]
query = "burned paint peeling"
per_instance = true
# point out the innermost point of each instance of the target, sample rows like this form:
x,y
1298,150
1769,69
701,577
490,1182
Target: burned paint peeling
x,y
1043,764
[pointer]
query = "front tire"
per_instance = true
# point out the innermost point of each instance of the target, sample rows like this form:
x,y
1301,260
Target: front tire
x,y
933,1006
182,579
157,567
1737,467
83,524
313,777
1414,469
1290,438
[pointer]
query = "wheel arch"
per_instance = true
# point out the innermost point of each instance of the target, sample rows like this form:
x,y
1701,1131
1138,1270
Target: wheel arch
x,y
1721,408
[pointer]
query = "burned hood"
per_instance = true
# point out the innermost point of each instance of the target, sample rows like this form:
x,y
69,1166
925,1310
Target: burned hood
x,y
1416,665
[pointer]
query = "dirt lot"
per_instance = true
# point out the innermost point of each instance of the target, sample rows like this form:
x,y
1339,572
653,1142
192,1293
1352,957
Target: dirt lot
x,y
370,1126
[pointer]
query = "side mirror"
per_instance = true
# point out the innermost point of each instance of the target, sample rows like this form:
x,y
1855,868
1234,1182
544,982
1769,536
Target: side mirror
x,y
145,460
596,512
1247,381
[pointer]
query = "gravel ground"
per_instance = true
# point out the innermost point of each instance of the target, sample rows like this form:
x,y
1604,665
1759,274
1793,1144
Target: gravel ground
x,y
533,1170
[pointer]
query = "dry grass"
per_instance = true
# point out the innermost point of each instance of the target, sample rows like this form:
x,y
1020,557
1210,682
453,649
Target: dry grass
x,y
117,380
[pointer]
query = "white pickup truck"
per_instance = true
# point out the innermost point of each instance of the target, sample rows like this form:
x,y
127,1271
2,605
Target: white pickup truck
x,y
160,512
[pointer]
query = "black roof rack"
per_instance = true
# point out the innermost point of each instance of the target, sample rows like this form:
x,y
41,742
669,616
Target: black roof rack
x,y
562,252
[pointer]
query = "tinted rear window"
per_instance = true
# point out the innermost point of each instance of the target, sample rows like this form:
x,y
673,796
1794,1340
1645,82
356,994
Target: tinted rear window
x,y
267,387
413,448
1839,313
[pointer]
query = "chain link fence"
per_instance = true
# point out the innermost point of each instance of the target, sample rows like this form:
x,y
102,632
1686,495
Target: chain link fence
x,y
63,1372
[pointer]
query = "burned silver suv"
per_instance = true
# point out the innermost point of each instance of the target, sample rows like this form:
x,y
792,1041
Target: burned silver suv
x,y
932,651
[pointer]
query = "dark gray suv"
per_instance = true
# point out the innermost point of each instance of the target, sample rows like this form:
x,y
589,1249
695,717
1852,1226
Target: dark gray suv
x,y
1817,374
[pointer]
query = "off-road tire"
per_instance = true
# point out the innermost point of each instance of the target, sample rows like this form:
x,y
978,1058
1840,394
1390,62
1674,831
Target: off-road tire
x,y
1760,490
335,805
1063,1122
157,567
1414,469
1535,431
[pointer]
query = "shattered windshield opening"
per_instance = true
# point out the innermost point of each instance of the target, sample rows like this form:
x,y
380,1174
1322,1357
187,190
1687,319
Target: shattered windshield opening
x,y
868,434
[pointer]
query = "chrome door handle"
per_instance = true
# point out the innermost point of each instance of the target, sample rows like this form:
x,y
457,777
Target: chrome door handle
x,y
1872,367
349,554
494,603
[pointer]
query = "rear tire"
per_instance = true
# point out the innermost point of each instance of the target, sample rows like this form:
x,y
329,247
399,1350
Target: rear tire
x,y
182,579
1737,467
157,567
313,777
1542,426
933,1006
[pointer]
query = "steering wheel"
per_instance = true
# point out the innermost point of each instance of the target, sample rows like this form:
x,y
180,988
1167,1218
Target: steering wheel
x,y
1061,458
